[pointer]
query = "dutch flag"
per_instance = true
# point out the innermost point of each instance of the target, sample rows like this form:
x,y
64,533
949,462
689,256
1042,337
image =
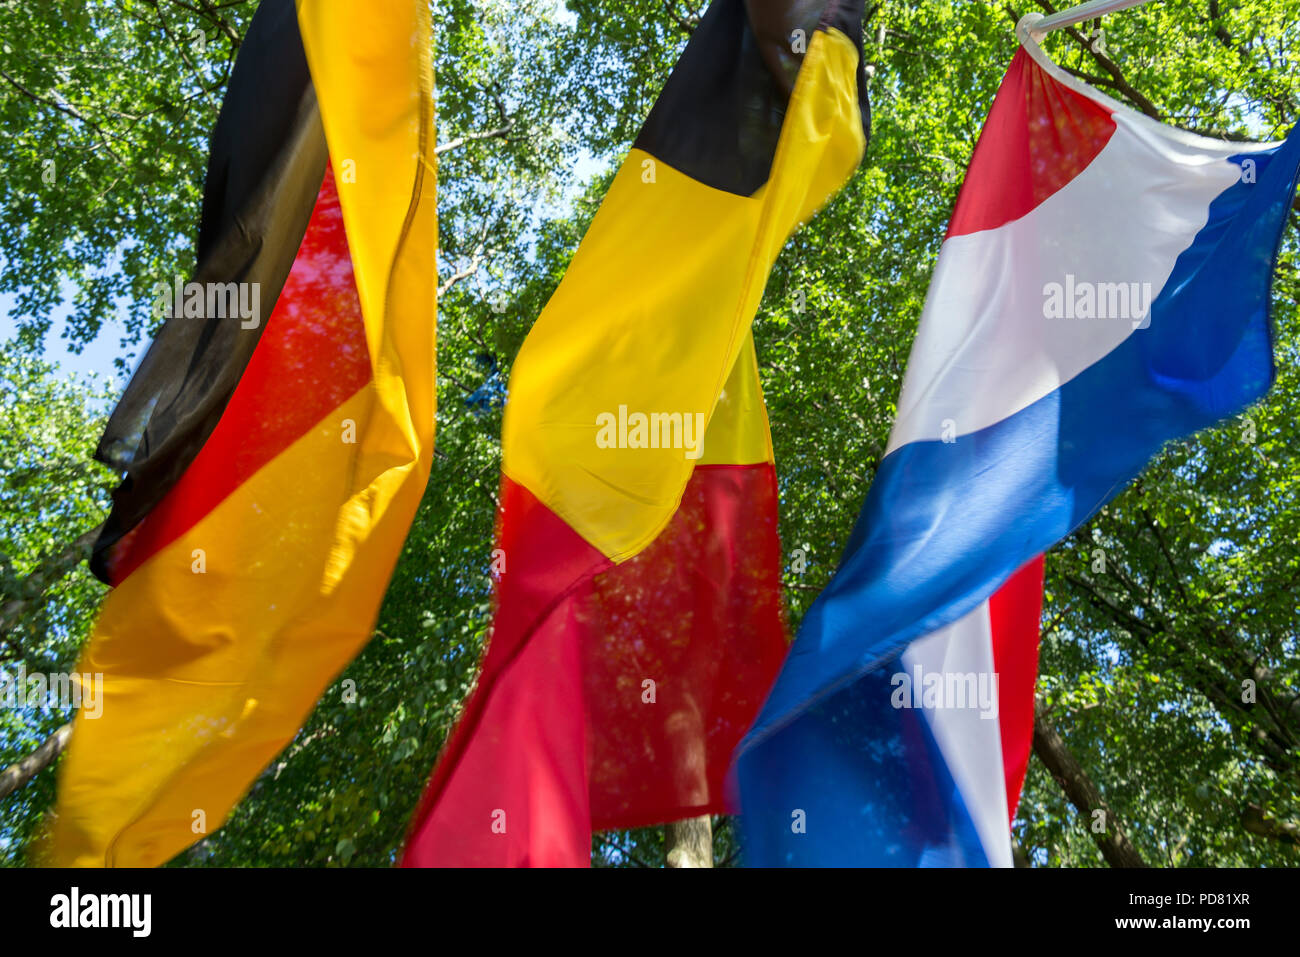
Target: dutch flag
x,y
1103,288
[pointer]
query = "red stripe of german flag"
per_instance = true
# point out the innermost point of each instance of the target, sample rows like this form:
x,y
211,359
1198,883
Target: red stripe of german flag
x,y
310,360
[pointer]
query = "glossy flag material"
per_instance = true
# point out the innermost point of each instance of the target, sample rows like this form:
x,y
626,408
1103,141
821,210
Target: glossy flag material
x,y
639,622
1103,289
271,469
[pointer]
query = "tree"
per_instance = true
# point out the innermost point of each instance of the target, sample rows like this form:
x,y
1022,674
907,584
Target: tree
x,y
49,491
1147,665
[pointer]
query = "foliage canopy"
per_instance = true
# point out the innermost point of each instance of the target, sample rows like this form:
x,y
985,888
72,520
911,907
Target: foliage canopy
x,y
1143,663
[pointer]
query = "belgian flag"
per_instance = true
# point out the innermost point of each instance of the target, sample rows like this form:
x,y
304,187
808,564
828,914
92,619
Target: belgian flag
x,y
272,463
639,621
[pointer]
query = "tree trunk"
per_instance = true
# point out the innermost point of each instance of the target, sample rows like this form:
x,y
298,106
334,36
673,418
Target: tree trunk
x,y
1083,794
1018,856
16,775
689,843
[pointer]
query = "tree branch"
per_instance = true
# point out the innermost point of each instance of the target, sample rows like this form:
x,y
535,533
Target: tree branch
x,y
1119,82
476,259
500,131
67,111
686,24
17,775
50,570
1255,821
1050,748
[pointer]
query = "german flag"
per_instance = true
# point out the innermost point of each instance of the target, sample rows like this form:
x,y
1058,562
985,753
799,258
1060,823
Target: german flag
x,y
272,465
639,623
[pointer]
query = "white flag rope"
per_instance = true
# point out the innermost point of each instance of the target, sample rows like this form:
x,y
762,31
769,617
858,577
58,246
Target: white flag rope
x,y
1080,13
